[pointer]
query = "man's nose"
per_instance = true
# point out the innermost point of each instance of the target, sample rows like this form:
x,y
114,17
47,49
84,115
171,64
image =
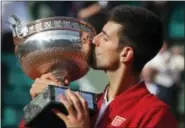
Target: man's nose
x,y
95,41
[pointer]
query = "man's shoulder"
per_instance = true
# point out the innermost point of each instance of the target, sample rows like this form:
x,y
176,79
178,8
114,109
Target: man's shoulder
x,y
152,105
158,112
152,101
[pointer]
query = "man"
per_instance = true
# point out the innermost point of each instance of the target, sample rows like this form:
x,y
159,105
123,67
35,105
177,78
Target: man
x,y
131,37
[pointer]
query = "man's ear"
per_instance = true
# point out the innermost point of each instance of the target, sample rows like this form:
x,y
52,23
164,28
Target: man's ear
x,y
127,54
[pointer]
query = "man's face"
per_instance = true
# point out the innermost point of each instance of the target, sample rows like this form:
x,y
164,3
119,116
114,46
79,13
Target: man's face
x,y
106,54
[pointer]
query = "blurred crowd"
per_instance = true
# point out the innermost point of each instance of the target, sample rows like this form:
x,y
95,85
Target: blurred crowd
x,y
164,75
92,11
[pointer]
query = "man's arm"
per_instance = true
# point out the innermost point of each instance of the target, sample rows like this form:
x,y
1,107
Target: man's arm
x,y
160,117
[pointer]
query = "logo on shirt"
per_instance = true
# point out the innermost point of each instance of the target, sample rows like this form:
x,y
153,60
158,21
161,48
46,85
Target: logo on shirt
x,y
118,121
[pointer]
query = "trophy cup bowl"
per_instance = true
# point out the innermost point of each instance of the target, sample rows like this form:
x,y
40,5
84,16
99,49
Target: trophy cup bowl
x,y
57,45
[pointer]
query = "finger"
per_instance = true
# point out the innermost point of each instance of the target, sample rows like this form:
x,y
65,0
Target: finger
x,y
35,91
84,103
68,105
66,82
60,115
39,85
47,82
76,102
50,76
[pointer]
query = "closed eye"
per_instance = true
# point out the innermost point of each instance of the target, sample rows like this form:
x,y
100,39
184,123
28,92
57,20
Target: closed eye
x,y
105,39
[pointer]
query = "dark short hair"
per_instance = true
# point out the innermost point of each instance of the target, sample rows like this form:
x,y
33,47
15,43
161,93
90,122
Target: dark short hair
x,y
142,30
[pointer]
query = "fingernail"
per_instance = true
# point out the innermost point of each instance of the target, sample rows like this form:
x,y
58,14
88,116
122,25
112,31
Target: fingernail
x,y
69,90
77,92
66,81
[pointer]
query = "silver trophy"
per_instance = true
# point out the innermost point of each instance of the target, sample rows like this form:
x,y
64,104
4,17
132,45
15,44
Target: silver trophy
x,y
57,45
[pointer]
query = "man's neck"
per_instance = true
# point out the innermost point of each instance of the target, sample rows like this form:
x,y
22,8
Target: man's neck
x,y
120,80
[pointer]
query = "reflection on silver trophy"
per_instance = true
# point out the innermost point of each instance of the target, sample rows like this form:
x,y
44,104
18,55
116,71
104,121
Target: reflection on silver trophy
x,y
57,45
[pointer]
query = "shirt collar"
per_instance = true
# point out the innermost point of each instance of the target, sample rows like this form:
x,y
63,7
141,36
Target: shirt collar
x,y
133,93
105,96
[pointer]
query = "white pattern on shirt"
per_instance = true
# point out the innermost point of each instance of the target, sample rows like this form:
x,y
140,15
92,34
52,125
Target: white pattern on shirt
x,y
103,108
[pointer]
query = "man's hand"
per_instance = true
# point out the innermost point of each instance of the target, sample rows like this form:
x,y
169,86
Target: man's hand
x,y
89,11
77,107
75,104
41,83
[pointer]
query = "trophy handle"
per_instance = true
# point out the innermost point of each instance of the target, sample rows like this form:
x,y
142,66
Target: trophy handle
x,y
16,27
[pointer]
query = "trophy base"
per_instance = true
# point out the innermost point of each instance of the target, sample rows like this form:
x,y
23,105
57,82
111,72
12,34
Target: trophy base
x,y
38,113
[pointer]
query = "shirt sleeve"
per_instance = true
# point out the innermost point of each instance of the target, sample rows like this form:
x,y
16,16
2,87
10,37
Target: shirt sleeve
x,y
158,118
21,125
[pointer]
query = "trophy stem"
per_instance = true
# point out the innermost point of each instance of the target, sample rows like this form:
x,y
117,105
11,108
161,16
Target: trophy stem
x,y
61,74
